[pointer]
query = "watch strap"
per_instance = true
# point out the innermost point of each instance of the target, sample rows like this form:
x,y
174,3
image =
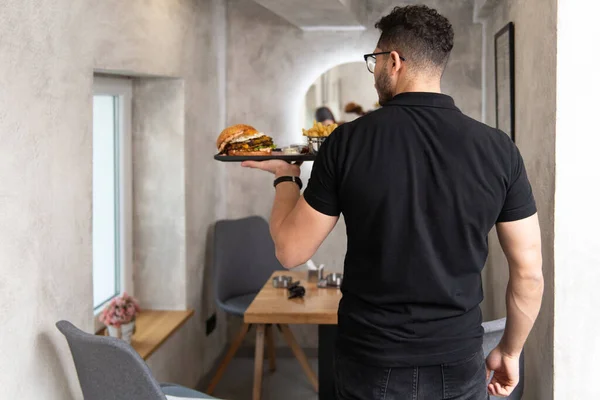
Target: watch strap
x,y
294,179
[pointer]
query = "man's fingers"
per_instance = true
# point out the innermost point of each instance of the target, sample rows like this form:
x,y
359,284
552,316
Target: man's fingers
x,y
487,374
501,390
498,389
262,165
507,390
251,164
495,388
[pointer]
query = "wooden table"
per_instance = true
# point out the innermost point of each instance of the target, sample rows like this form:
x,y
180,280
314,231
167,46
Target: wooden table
x,y
154,327
319,306
271,305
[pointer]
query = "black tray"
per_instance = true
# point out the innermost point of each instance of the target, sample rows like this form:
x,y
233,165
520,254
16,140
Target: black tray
x,y
284,157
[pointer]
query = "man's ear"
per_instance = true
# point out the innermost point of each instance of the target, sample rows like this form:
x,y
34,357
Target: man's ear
x,y
396,61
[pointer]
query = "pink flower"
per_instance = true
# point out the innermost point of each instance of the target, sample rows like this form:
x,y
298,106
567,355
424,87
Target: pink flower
x,y
120,310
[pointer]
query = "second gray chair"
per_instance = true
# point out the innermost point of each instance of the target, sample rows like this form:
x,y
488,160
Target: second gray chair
x,y
110,369
244,258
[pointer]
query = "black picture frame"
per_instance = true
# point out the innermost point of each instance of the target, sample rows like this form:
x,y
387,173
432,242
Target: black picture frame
x,y
504,66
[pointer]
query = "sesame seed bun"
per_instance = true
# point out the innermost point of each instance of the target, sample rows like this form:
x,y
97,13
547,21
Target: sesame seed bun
x,y
234,132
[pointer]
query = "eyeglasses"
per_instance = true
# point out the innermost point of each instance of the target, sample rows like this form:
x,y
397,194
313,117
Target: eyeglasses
x,y
371,59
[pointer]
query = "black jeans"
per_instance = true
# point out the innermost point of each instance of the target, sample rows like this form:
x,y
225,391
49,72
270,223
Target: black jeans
x,y
462,380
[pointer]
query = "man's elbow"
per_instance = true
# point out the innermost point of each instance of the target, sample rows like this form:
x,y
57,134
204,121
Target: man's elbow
x,y
533,282
290,257
531,267
529,276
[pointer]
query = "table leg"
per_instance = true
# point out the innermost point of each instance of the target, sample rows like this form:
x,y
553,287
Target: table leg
x,y
258,361
270,336
228,357
299,353
327,336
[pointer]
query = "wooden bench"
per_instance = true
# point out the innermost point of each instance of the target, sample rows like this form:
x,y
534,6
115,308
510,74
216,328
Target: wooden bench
x,y
154,327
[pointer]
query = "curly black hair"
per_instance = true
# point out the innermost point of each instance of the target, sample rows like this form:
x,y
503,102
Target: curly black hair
x,y
419,33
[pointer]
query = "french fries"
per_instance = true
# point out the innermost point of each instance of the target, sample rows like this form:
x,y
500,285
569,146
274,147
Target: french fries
x,y
319,130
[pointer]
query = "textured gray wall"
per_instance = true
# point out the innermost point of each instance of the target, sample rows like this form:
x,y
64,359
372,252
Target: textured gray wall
x,y
271,65
535,65
158,193
45,194
48,53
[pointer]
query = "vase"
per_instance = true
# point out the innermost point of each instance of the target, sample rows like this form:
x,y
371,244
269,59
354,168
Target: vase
x,y
124,332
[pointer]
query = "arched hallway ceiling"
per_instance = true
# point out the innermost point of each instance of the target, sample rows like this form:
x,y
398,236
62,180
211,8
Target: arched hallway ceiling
x,y
316,15
321,14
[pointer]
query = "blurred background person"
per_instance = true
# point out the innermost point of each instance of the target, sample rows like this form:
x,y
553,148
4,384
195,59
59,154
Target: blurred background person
x,y
325,116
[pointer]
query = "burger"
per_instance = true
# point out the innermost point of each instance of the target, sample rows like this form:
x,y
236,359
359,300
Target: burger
x,y
244,140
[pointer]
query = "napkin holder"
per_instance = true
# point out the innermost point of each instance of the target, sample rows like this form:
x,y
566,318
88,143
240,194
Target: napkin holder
x,y
315,274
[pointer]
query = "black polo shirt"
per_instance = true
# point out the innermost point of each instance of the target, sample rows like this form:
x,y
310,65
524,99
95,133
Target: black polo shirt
x,y
420,186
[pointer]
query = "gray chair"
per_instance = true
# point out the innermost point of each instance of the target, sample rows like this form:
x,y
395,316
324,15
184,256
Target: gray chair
x,y
110,369
492,333
244,258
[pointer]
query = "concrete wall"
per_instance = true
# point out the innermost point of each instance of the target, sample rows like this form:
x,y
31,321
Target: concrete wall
x,y
535,58
49,52
577,261
271,65
158,181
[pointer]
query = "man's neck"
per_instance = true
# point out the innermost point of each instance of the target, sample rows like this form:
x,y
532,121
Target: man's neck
x,y
425,86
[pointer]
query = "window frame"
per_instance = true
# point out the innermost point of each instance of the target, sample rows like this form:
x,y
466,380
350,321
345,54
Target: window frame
x,y
122,89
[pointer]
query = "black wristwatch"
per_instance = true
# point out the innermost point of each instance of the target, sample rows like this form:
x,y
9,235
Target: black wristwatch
x,y
288,179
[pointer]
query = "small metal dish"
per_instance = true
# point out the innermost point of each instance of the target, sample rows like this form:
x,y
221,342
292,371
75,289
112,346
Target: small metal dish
x,y
302,148
290,150
283,281
334,279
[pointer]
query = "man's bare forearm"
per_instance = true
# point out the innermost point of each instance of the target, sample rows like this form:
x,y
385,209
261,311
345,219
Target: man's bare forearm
x,y
296,228
286,197
523,301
